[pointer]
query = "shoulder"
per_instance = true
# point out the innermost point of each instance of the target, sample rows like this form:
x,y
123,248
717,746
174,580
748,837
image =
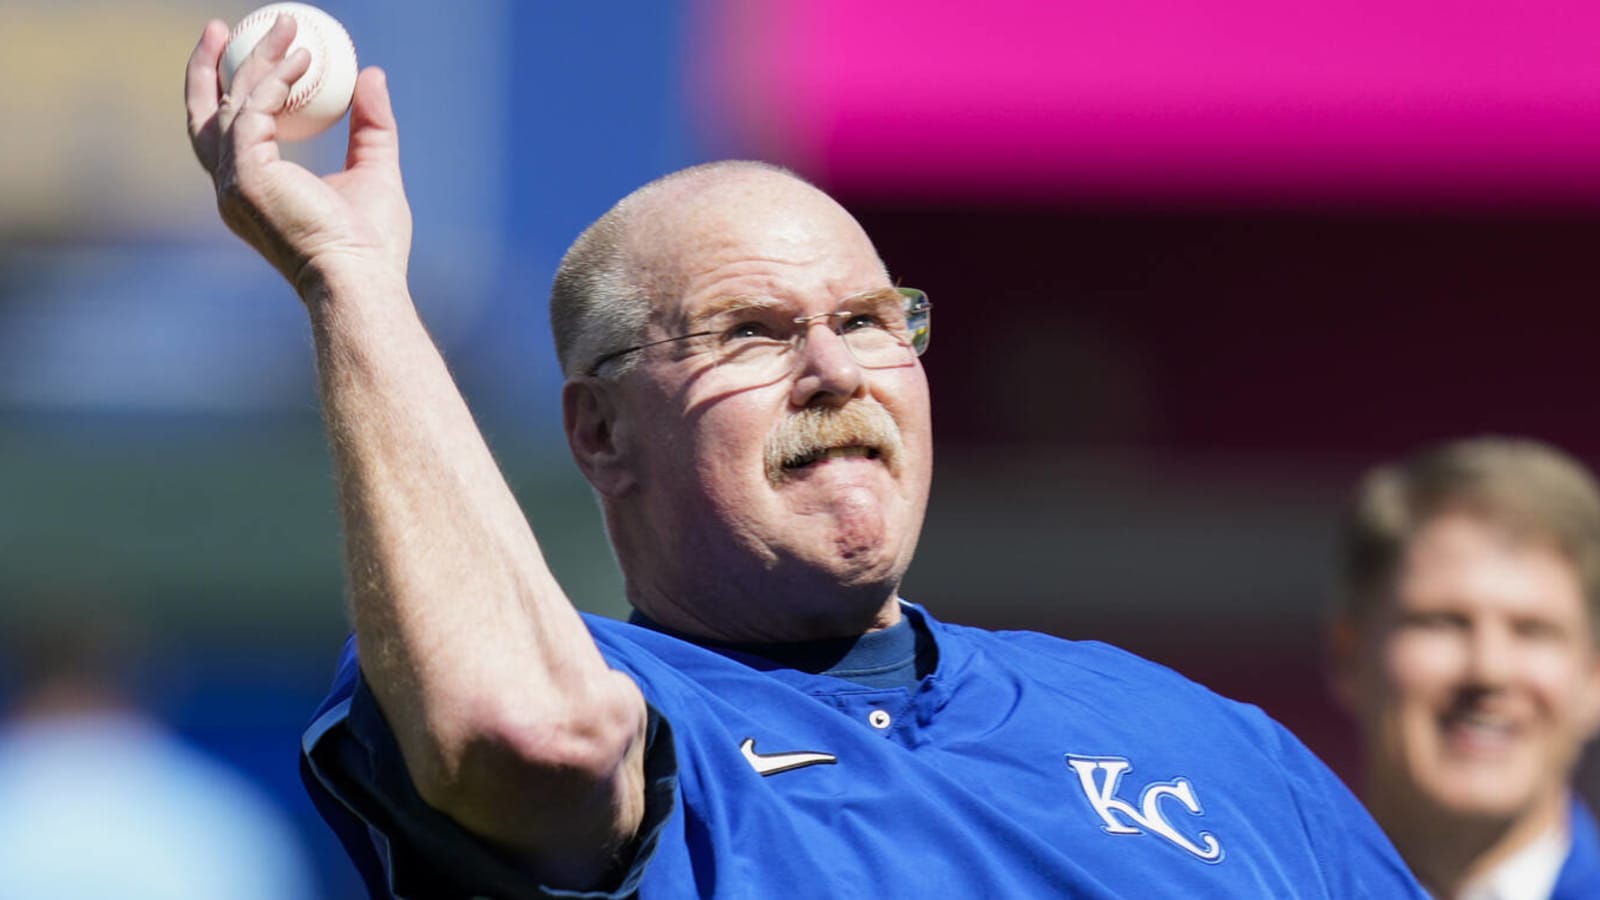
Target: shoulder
x,y
1580,873
1120,699
1085,656
1085,668
643,652
1132,728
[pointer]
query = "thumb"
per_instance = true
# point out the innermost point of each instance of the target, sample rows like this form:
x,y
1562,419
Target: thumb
x,y
374,135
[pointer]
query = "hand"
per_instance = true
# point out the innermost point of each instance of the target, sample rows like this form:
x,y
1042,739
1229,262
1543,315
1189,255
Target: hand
x,y
353,223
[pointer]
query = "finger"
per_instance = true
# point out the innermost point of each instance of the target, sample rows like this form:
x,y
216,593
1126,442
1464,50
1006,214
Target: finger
x,y
259,64
374,134
250,145
201,92
253,138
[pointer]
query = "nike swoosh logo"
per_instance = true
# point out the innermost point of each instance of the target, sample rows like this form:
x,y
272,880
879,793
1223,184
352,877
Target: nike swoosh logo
x,y
773,763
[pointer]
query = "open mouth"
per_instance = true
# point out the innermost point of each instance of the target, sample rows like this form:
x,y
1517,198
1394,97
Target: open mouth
x,y
822,454
1475,729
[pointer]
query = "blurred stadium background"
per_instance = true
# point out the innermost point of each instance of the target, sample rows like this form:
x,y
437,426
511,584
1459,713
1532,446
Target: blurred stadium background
x,y
1196,266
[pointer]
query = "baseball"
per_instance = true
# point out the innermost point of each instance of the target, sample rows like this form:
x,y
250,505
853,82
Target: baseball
x,y
318,98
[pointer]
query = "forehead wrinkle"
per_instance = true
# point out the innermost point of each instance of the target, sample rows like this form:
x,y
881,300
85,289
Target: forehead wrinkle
x,y
686,235
737,235
694,265
733,259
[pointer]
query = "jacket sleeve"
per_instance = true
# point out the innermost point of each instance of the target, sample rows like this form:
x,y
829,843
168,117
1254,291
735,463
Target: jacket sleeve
x,y
405,849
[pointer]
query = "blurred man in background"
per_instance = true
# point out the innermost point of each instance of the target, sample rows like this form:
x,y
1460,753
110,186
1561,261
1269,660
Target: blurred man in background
x,y
100,800
1464,646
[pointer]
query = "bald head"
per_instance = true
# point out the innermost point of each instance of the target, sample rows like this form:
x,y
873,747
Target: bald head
x,y
634,257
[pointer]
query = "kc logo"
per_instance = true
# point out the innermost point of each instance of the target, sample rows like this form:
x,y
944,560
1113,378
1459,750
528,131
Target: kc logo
x,y
1100,777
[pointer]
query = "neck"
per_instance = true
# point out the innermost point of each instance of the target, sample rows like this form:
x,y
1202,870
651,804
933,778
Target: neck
x,y
732,616
1448,851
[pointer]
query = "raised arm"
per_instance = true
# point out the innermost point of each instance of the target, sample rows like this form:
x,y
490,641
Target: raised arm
x,y
508,717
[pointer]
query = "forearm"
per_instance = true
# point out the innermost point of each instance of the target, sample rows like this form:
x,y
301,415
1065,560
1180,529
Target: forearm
x,y
486,673
488,677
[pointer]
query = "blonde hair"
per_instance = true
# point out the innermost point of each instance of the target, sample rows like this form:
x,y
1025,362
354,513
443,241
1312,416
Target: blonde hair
x,y
1522,484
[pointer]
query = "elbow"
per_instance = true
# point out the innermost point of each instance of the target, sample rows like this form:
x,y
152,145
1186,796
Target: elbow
x,y
514,773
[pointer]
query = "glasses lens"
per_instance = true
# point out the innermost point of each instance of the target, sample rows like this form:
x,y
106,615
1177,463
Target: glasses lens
x,y
918,313
874,327
752,341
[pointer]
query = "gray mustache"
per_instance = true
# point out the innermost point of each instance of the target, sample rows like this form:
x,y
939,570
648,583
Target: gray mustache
x,y
815,429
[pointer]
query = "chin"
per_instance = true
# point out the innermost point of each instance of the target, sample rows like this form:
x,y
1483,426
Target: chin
x,y
1487,800
872,574
853,565
851,536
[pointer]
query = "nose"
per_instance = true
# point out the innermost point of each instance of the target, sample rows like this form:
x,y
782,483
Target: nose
x,y
825,371
1489,656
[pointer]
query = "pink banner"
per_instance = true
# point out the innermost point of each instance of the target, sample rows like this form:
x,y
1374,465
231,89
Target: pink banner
x,y
1408,100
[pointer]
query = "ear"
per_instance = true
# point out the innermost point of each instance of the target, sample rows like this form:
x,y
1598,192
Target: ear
x,y
597,434
1343,670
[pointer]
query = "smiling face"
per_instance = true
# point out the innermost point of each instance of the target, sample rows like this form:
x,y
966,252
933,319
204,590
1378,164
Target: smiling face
x,y
1475,680
778,507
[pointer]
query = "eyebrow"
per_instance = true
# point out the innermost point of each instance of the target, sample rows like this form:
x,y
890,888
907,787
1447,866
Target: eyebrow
x,y
879,293
733,303
739,302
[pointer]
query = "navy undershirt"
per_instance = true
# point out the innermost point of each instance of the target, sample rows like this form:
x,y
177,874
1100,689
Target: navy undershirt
x,y
897,656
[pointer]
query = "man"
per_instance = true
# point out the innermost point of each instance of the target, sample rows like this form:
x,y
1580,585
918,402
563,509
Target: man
x,y
1465,648
100,798
744,394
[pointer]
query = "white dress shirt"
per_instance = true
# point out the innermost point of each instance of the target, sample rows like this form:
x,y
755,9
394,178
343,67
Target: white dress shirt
x,y
1529,874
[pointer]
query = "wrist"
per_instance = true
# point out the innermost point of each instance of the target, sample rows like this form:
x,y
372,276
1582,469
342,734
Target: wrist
x,y
323,287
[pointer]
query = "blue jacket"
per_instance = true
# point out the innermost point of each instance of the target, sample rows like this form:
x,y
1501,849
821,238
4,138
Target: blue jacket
x,y
1580,874
1022,766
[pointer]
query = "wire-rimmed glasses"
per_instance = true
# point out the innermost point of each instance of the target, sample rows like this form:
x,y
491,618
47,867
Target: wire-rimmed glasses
x,y
761,337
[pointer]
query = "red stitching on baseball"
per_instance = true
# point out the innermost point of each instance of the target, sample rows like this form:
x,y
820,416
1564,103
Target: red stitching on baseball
x,y
306,85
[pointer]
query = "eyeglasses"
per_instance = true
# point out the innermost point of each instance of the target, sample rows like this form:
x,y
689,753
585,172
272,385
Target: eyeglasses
x,y
761,338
